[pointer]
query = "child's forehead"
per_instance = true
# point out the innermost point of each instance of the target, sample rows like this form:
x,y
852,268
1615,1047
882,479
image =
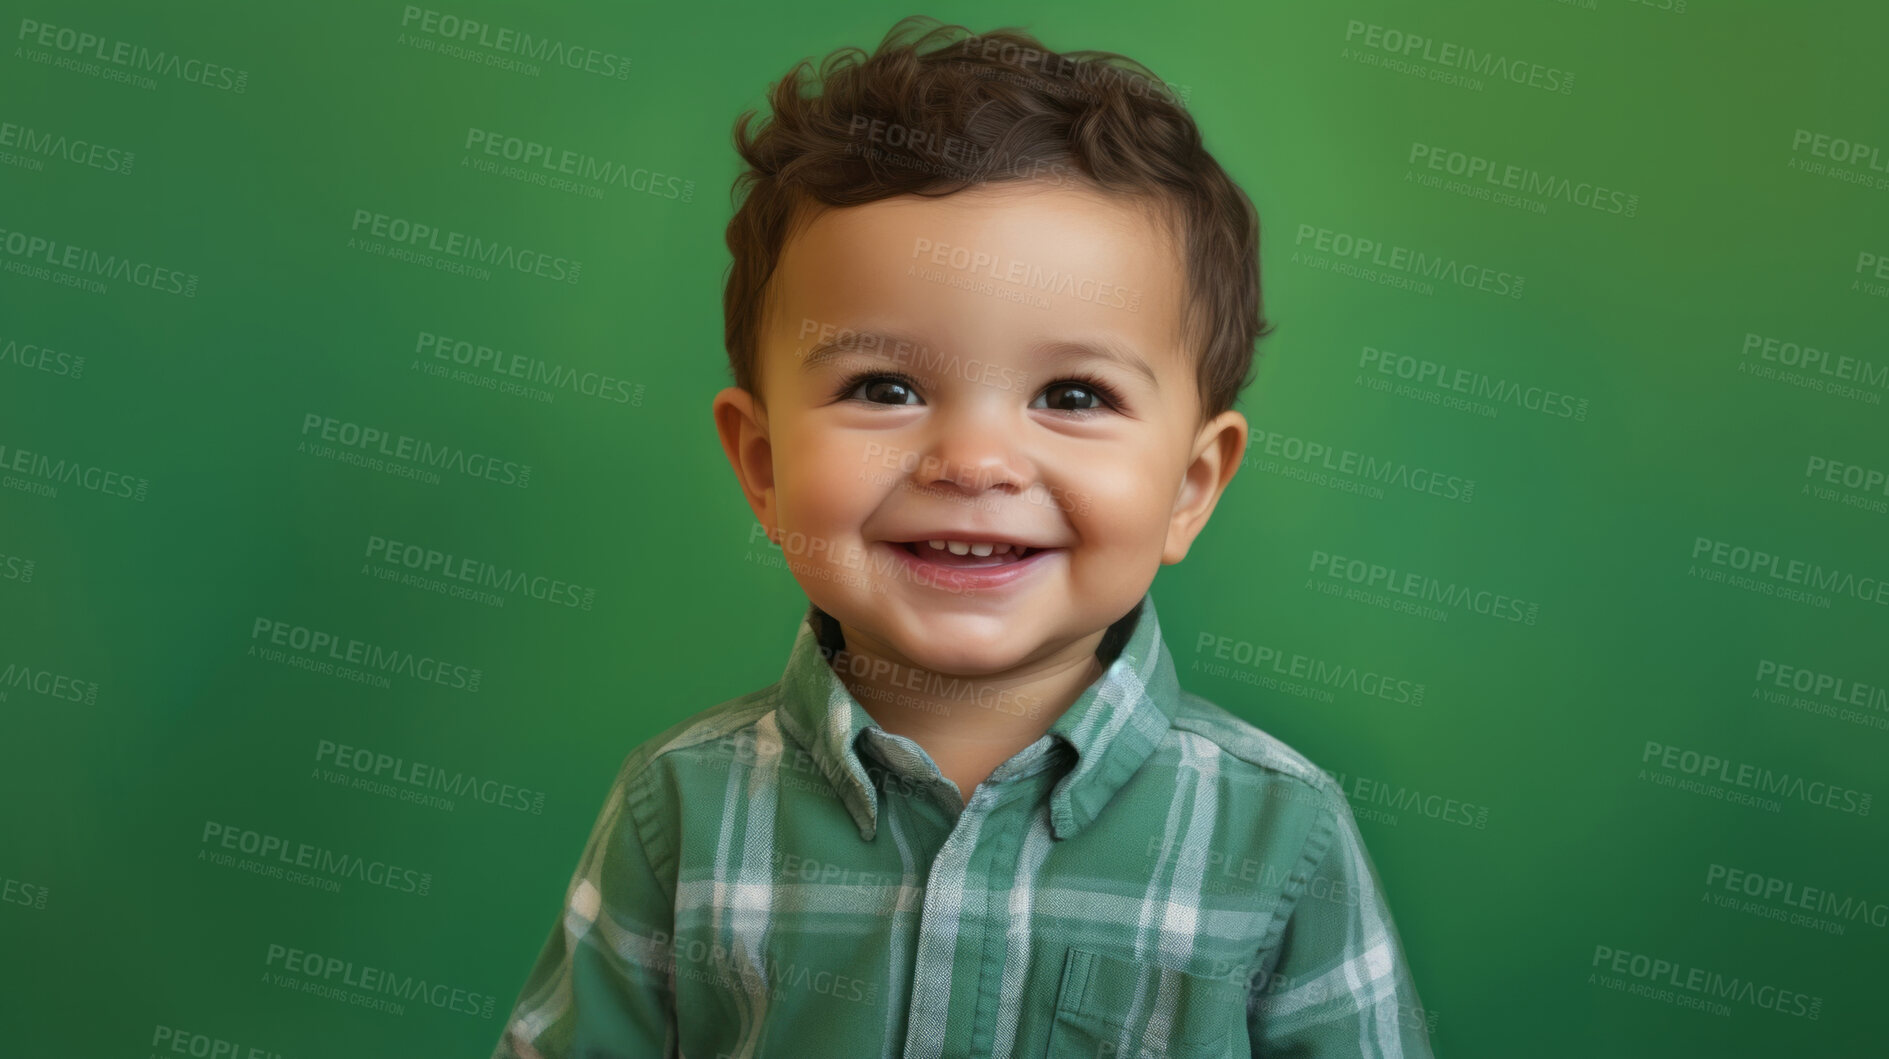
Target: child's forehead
x,y
1057,252
1020,213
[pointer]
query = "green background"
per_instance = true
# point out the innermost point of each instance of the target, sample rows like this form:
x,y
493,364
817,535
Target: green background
x,y
135,714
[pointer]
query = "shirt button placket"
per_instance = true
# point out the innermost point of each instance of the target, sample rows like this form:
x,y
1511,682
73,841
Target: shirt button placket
x,y
941,930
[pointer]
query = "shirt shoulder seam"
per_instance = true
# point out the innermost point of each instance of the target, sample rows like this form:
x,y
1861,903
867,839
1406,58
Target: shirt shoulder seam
x,y
640,804
1244,741
718,721
636,775
1319,840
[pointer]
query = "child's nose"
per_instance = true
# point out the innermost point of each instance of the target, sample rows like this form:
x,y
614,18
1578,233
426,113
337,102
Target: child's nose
x,y
975,460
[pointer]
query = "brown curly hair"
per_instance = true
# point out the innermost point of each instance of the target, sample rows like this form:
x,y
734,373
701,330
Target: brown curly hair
x,y
975,109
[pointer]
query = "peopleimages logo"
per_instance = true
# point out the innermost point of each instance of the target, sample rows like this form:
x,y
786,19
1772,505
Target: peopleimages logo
x,y
20,676
1423,587
424,776
1522,180
1710,768
379,444
1822,685
281,858
24,894
44,474
32,356
1402,261
1840,367
418,236
40,143
172,1040
1424,372
1448,54
577,164
1318,671
507,41
320,650
24,252
1316,456
1837,149
364,985
1759,563
1370,799
132,57
1796,895
429,564
1703,986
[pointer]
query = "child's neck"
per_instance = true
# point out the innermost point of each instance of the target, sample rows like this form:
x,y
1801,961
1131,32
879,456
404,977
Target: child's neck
x,y
968,724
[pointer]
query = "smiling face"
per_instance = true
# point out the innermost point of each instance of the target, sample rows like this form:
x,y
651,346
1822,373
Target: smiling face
x,y
941,368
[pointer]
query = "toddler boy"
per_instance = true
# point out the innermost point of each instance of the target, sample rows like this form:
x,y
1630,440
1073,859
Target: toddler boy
x,y
977,815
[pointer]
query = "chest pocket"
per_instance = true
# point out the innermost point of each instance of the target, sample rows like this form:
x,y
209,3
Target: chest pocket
x,y
1110,1007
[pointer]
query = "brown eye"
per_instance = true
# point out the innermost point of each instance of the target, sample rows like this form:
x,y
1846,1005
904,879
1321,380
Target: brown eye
x,y
880,389
1070,397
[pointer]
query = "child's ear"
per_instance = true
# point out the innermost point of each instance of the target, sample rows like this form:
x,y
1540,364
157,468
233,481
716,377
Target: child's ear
x,y
1218,450
742,423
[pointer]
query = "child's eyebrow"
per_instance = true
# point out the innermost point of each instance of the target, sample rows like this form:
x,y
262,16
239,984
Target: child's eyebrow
x,y
903,347
1061,351
871,343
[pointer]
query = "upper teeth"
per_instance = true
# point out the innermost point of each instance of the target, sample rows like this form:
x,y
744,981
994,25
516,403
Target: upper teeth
x,y
972,547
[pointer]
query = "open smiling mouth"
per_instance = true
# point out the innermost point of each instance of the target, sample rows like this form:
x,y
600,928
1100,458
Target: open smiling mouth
x,y
942,554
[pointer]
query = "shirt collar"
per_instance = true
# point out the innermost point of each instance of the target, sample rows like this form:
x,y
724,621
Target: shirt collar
x,y
1113,726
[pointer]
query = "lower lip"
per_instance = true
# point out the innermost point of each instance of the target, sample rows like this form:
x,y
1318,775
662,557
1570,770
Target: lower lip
x,y
963,578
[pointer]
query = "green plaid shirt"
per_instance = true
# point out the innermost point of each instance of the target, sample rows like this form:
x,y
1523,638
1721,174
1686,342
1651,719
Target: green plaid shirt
x,y
778,876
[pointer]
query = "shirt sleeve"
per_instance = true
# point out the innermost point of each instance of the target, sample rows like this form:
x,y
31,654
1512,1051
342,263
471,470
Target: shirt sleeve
x,y
602,986
1338,984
